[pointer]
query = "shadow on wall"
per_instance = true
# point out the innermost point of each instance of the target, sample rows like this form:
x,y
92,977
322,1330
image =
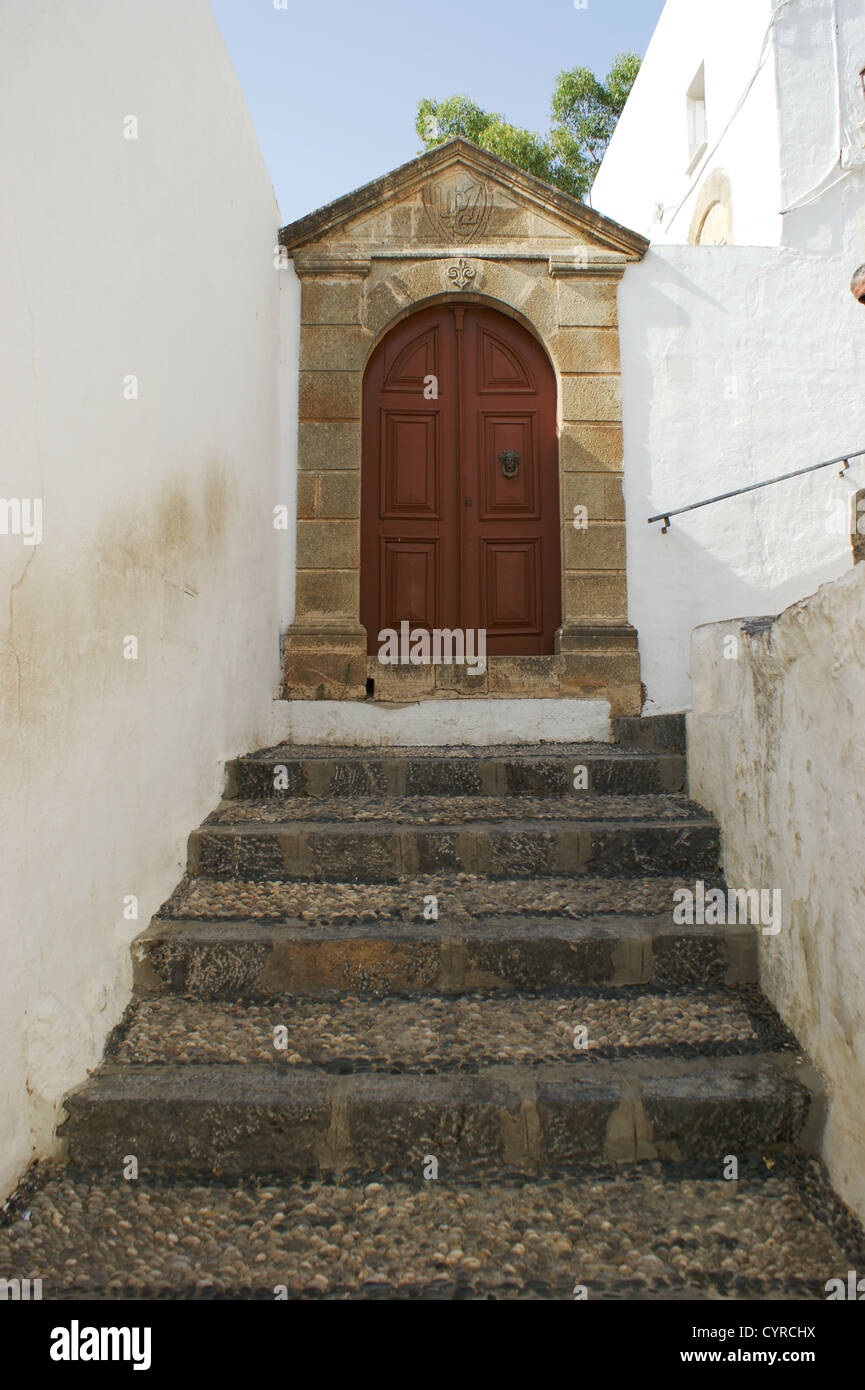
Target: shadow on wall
x,y
720,391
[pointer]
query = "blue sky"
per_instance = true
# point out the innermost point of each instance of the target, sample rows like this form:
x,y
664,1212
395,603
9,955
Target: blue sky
x,y
333,86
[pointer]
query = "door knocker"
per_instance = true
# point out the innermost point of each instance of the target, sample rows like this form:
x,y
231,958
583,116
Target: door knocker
x,y
510,462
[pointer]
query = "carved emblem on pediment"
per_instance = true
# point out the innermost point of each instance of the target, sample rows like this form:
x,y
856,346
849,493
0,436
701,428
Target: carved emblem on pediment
x,y
461,273
458,210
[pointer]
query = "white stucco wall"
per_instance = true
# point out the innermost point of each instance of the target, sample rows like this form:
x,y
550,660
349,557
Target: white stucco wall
x,y
776,750
745,361
151,257
820,56
646,166
738,364
785,110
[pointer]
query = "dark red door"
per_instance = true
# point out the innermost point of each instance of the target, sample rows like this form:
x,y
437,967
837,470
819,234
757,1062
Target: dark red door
x,y
460,487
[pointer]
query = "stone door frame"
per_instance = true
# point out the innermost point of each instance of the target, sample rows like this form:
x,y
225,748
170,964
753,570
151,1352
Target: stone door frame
x,y
544,525
349,301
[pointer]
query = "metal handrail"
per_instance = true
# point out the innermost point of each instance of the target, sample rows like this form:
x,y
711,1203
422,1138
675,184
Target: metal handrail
x,y
752,487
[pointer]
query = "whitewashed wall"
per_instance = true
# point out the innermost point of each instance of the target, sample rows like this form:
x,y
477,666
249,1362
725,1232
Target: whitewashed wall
x,y
745,361
150,257
820,56
646,166
737,364
776,751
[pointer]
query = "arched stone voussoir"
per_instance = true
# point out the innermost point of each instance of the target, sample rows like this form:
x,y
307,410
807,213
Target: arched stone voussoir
x,y
391,293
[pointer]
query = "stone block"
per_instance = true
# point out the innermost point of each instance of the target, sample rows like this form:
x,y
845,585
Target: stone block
x,y
329,444
584,302
600,547
591,398
584,490
539,307
327,662
596,595
591,448
333,347
532,677
327,593
461,680
614,500
340,494
308,492
325,299
382,304
330,395
400,684
328,545
594,350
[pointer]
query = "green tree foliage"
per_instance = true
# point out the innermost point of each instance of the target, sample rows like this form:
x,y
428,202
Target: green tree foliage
x,y
584,112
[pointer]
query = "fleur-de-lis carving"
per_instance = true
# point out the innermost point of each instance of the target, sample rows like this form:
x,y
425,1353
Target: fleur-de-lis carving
x,y
461,273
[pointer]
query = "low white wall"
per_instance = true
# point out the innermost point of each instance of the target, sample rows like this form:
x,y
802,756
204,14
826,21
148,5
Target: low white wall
x,y
737,364
436,723
149,257
776,750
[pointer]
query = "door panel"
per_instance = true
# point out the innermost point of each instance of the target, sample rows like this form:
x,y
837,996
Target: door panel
x,y
512,587
503,496
460,490
409,583
409,465
499,366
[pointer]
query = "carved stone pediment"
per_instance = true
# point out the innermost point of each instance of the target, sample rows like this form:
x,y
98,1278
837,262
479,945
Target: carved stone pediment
x,y
459,196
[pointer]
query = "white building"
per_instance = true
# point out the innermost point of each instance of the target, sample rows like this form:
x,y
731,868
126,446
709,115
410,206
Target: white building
x,y
741,154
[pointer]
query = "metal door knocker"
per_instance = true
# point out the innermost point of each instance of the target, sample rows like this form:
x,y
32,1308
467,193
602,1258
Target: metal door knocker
x,y
510,462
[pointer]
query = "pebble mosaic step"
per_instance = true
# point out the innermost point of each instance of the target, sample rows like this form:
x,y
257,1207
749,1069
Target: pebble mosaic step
x,y
348,1033
331,904
458,810
773,1233
538,770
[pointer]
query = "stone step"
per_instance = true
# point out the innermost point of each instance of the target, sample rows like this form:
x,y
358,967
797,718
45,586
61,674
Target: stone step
x,y
406,900
354,1033
656,733
290,770
375,839
255,958
646,1232
233,1120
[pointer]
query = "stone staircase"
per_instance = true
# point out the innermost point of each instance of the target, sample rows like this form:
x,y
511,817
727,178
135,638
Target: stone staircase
x,y
418,1024
386,962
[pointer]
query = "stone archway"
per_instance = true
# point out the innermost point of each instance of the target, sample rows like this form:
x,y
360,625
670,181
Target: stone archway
x,y
712,220
365,263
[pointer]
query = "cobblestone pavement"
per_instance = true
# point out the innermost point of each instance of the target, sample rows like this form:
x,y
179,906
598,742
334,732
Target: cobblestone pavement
x,y
635,1233
436,1032
329,904
457,810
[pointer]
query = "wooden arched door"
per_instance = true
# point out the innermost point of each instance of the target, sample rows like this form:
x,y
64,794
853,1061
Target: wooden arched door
x,y
460,486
